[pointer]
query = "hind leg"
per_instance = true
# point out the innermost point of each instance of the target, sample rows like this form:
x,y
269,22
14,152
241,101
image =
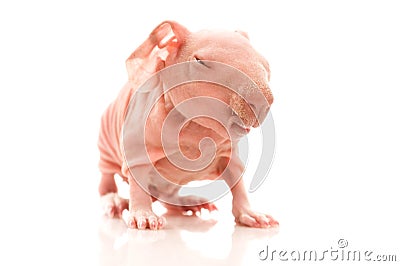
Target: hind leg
x,y
112,204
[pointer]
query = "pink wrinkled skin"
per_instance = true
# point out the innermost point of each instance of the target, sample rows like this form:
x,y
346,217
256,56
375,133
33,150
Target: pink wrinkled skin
x,y
168,44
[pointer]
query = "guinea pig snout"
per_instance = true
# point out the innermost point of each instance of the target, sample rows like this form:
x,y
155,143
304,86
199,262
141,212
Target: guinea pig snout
x,y
252,110
244,111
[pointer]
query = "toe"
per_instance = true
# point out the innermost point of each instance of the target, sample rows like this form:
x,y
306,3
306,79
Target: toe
x,y
212,207
246,219
272,221
262,220
153,223
131,223
141,222
161,222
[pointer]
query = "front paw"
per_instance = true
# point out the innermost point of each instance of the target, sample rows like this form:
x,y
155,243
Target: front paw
x,y
250,218
142,219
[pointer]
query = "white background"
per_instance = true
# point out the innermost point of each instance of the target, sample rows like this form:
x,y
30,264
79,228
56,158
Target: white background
x,y
335,78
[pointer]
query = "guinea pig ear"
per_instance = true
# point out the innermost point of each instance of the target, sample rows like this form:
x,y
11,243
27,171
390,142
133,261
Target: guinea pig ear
x,y
164,41
244,34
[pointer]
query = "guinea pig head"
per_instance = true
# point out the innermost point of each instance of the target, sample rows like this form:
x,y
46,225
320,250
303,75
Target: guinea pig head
x,y
252,101
170,43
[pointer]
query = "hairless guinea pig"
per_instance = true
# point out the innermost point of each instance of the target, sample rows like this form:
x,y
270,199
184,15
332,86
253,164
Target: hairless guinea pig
x,y
138,144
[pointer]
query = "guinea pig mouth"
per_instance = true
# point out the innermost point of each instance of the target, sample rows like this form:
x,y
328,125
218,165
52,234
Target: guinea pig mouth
x,y
237,127
240,129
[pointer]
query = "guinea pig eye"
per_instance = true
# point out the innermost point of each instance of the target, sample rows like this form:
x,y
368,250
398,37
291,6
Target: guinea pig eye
x,y
200,61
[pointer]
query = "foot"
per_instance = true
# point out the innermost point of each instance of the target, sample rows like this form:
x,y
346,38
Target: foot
x,y
142,219
190,203
113,205
247,217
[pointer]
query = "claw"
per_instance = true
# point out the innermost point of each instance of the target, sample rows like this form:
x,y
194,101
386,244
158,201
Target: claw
x,y
161,222
141,223
152,222
132,223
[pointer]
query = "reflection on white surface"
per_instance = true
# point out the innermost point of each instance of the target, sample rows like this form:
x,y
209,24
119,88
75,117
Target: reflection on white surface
x,y
187,240
214,239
